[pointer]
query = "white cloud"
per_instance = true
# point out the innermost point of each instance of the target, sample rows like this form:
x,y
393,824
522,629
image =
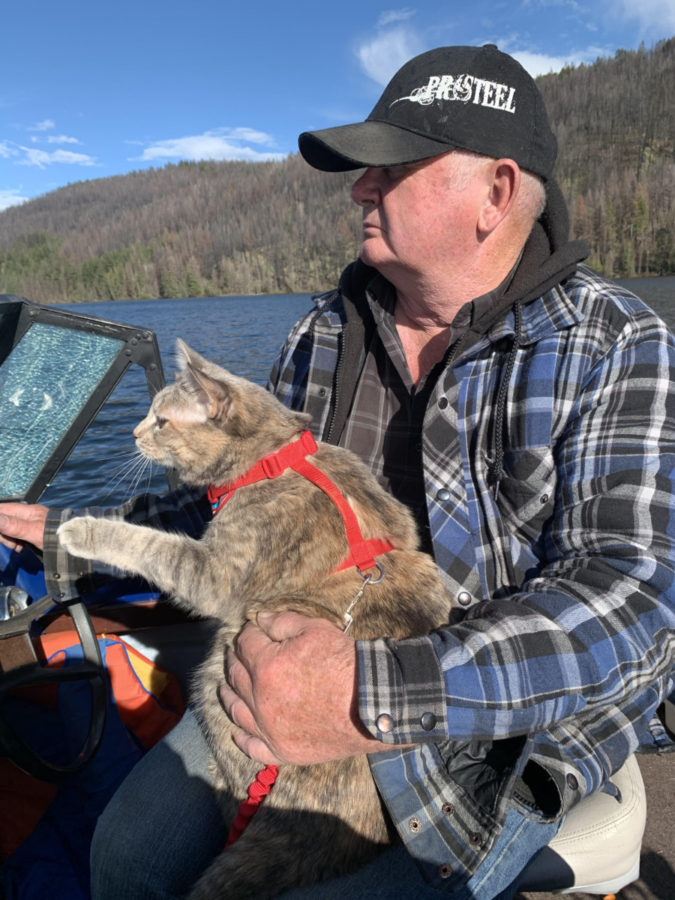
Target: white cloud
x,y
381,57
541,64
654,17
11,197
6,151
50,138
388,17
41,158
45,125
219,144
245,134
61,139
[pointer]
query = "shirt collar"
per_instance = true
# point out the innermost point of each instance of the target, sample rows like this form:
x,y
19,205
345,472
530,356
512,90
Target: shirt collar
x,y
381,297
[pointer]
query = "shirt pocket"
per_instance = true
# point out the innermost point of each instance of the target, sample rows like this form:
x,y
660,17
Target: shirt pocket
x,y
527,490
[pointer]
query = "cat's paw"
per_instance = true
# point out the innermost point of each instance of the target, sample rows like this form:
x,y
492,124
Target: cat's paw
x,y
78,536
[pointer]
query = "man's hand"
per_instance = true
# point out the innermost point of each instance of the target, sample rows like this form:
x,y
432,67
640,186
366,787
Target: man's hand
x,y
22,523
292,692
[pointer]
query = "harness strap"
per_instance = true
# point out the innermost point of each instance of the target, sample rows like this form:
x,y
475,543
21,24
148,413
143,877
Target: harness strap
x,y
374,547
362,552
270,466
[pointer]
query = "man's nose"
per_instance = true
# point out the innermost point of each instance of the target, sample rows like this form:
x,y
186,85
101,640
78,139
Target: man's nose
x,y
366,190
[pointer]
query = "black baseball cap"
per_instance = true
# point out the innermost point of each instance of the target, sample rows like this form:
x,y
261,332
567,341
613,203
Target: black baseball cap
x,y
461,98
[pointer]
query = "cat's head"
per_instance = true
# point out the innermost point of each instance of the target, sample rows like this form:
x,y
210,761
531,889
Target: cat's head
x,y
211,425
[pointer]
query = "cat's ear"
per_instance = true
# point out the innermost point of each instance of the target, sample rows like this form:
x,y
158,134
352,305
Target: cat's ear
x,y
214,395
186,356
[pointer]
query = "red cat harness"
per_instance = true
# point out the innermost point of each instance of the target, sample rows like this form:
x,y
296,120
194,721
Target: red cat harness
x,y
362,554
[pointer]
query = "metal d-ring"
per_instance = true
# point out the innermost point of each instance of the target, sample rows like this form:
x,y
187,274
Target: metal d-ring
x,y
367,579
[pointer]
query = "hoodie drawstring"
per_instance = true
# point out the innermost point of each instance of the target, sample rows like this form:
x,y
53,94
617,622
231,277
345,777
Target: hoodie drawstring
x,y
496,467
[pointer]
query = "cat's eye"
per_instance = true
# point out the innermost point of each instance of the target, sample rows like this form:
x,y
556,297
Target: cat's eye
x,y
160,421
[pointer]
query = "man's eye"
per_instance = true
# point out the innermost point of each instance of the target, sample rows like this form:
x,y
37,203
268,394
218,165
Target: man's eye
x,y
394,173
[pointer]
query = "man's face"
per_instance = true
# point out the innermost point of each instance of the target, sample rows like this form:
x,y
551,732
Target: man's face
x,y
416,218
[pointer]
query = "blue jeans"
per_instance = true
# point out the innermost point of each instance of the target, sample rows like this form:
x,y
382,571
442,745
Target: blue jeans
x,y
163,827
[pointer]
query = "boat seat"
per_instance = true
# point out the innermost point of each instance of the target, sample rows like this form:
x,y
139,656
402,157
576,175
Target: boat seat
x,y
597,851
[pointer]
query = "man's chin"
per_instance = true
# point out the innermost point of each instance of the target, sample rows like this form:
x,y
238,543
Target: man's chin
x,y
370,256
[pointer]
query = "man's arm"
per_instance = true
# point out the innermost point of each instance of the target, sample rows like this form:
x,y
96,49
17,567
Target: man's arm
x,y
590,631
184,510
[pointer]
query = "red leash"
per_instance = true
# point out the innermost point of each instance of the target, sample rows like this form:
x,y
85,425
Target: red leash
x,y
362,554
247,808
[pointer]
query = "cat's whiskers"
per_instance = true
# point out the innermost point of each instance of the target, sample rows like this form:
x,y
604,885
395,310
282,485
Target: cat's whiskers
x,y
135,469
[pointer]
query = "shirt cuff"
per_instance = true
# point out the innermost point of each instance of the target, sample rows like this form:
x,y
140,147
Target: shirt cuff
x,y
66,576
401,690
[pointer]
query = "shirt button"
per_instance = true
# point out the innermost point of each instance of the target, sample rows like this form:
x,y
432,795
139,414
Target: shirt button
x,y
445,871
443,495
448,809
428,721
464,598
572,782
443,402
384,723
414,824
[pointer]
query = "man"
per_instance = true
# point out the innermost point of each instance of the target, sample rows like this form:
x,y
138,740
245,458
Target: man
x,y
522,407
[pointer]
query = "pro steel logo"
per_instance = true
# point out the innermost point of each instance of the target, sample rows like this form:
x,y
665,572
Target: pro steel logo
x,y
464,89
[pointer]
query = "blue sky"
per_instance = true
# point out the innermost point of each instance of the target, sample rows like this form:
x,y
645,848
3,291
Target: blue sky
x,y
89,90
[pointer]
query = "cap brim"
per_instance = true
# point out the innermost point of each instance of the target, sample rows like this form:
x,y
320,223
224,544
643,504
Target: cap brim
x,y
366,144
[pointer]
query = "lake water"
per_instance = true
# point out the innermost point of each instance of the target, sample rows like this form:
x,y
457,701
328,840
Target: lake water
x,y
241,333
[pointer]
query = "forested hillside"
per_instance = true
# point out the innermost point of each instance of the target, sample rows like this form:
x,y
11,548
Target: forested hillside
x,y
185,230
616,163
243,228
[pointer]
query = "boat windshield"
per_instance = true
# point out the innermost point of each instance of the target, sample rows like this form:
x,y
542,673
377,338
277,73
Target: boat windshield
x,y
57,368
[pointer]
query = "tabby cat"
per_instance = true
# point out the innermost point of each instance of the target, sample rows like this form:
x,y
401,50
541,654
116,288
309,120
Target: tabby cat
x,y
276,544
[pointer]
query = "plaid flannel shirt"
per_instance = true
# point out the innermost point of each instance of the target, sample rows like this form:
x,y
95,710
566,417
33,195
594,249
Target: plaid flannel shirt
x,y
563,642
561,645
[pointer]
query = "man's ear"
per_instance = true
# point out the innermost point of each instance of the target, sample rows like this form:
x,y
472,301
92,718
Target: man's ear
x,y
502,190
